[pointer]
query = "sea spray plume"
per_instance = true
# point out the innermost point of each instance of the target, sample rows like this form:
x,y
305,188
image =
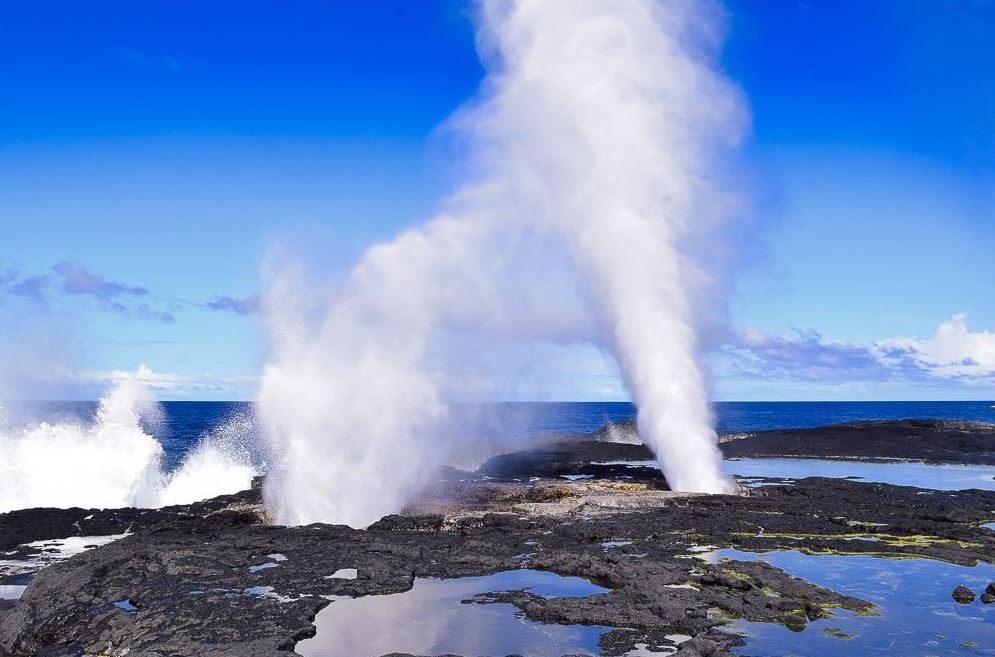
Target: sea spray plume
x,y
596,127
50,456
112,461
604,122
223,461
349,414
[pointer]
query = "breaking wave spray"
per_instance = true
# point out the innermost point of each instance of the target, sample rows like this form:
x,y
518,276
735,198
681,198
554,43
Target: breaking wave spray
x,y
113,461
598,129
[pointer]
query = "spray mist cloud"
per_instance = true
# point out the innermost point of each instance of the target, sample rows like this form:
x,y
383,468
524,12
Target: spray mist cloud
x,y
596,135
112,461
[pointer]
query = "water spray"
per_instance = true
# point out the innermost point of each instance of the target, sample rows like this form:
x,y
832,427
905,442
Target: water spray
x,y
597,129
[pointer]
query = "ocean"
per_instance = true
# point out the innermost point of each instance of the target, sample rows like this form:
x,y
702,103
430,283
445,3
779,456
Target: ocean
x,y
185,422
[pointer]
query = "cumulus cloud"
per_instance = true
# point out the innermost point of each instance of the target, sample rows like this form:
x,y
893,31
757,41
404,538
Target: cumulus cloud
x,y
78,280
31,288
70,279
801,354
73,280
14,286
238,305
953,353
174,385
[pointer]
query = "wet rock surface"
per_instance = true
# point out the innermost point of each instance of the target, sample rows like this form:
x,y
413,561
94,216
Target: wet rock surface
x,y
30,525
189,579
576,458
931,441
963,595
597,455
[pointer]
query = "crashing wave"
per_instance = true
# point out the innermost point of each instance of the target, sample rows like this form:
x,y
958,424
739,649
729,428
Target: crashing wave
x,y
112,461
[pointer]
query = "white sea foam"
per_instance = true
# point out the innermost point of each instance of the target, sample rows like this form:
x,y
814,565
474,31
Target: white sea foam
x,y
112,461
222,462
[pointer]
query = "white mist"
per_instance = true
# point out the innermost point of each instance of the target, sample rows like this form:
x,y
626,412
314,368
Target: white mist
x,y
595,134
111,462
605,124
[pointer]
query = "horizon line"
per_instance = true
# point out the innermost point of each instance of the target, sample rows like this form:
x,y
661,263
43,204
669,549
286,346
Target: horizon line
x,y
556,401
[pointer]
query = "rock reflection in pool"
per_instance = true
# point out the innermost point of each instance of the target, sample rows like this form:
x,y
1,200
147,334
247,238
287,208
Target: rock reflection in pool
x,y
430,619
921,475
917,615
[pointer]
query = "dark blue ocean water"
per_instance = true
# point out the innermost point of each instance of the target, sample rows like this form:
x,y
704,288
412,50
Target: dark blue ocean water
x,y
582,417
186,422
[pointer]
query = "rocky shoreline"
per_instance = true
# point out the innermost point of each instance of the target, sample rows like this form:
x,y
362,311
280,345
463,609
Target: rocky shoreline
x,y
216,578
928,441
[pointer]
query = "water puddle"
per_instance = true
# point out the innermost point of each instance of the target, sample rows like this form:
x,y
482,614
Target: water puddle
x,y
643,650
916,614
921,475
901,473
126,605
433,619
21,571
263,566
629,464
11,591
266,592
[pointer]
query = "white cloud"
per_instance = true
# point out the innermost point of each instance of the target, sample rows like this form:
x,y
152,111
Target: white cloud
x,y
954,351
751,364
169,385
954,361
953,357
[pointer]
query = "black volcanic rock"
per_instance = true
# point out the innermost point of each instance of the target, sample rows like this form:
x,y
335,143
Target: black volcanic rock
x,y
963,595
931,441
572,458
186,571
593,455
30,525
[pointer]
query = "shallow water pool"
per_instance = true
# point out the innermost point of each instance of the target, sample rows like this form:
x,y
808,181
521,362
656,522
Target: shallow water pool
x,y
431,619
921,475
916,613
16,573
11,591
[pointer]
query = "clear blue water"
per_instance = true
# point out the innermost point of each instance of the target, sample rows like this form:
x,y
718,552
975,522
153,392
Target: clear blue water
x,y
516,419
916,613
432,619
579,417
920,475
186,422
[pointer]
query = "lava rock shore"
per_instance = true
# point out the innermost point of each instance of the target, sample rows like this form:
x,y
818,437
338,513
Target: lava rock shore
x,y
185,581
929,441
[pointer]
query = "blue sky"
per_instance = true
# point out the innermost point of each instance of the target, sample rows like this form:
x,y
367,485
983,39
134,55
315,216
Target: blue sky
x,y
151,153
